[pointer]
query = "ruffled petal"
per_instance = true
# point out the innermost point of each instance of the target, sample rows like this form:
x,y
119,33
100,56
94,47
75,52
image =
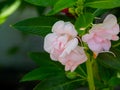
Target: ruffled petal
x,y
106,45
62,27
95,47
75,58
71,45
87,37
70,29
109,21
48,42
58,27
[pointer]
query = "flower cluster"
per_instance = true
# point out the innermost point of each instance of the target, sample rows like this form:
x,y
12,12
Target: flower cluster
x,y
99,36
62,43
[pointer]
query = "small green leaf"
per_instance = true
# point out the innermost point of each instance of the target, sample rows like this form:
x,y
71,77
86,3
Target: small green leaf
x,y
58,83
82,22
114,81
62,4
38,26
109,60
42,2
41,73
104,4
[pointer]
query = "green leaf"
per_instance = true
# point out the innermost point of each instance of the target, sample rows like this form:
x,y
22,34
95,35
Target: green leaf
x,y
109,60
43,59
7,10
105,73
114,81
38,26
98,12
57,83
62,4
116,44
42,2
82,22
41,73
104,4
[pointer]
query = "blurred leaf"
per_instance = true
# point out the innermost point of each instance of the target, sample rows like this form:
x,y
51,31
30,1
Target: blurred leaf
x,y
106,89
109,60
41,73
42,2
40,58
105,75
57,83
43,59
99,12
38,26
62,4
114,81
116,44
82,22
3,3
8,10
2,20
104,4
41,10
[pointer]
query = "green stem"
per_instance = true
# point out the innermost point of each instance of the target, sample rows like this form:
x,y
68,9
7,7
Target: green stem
x,y
90,74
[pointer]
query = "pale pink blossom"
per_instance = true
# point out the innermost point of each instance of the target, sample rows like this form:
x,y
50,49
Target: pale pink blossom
x,y
62,45
62,27
73,59
99,36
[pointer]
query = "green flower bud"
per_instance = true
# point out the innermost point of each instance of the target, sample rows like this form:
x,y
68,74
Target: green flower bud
x,y
71,75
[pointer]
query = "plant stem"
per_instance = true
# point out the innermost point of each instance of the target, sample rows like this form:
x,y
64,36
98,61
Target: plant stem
x,y
90,74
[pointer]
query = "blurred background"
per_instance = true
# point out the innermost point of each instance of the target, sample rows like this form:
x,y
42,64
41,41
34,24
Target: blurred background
x,y
15,45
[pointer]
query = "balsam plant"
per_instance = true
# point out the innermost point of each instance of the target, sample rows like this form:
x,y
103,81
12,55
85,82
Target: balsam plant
x,y
81,42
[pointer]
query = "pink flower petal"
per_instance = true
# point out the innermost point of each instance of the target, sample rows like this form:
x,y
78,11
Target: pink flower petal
x,y
95,47
109,21
106,45
70,29
87,37
99,36
48,42
58,27
62,27
75,58
71,45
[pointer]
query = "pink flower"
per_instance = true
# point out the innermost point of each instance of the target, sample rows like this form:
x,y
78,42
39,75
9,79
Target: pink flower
x,y
99,36
62,45
73,59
